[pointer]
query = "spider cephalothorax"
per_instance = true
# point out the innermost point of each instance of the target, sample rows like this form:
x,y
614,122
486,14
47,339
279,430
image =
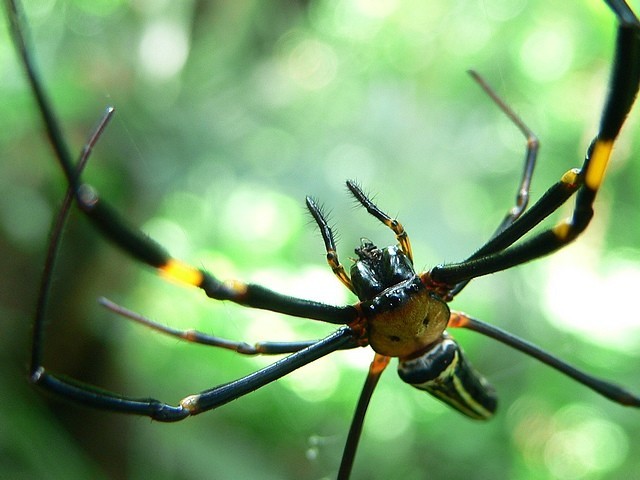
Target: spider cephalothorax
x,y
403,316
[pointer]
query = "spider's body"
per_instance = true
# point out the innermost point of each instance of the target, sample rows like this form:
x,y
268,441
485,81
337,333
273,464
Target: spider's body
x,y
403,316
406,319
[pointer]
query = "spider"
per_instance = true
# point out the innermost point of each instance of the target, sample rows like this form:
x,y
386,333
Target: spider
x,y
400,313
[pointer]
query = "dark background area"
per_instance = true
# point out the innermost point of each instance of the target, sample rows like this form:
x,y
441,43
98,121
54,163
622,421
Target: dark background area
x,y
227,115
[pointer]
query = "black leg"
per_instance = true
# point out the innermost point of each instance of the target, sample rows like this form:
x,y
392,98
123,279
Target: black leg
x,y
146,250
37,341
376,368
610,390
198,403
623,89
522,195
141,247
531,154
207,400
194,336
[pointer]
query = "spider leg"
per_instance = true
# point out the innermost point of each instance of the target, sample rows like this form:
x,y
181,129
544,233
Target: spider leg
x,y
194,336
343,338
376,368
140,246
305,353
53,247
607,389
522,196
329,243
459,274
624,83
531,154
392,223
146,250
198,403
624,13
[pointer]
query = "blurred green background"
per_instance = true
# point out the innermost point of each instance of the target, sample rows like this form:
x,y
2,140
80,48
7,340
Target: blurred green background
x,y
228,114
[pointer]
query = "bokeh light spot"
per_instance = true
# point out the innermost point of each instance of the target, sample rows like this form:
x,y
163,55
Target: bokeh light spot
x,y
163,49
547,53
584,444
601,318
312,64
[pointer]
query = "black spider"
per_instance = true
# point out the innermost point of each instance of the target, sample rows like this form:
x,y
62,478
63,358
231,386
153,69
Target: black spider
x,y
401,313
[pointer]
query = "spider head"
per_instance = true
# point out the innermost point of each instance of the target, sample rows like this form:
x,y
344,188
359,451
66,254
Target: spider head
x,y
377,269
403,316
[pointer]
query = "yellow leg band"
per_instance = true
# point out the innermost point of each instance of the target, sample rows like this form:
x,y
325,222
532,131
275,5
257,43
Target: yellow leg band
x,y
181,272
598,163
570,177
562,229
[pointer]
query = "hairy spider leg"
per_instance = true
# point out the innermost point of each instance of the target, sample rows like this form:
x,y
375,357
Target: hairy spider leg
x,y
329,243
392,223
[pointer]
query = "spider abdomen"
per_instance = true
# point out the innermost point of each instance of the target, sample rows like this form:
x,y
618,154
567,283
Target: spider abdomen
x,y
444,372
